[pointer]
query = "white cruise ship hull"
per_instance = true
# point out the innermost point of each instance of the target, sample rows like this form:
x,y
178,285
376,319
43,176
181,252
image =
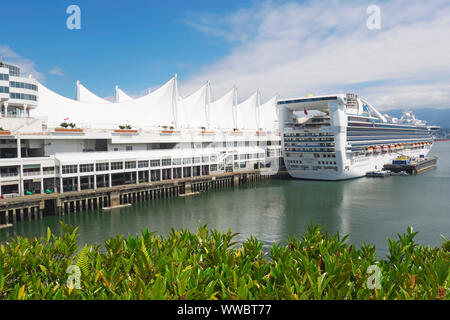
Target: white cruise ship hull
x,y
345,140
359,167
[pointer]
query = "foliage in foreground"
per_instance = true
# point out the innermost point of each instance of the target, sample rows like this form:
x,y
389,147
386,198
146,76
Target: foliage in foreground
x,y
208,265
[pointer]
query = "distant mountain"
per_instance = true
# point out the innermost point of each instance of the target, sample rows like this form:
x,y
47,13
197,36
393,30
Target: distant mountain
x,y
435,117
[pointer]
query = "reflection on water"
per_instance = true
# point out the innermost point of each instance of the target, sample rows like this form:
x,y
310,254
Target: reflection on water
x,y
368,209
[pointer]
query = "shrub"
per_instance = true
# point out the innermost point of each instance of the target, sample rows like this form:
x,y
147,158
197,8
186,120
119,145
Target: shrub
x,y
209,265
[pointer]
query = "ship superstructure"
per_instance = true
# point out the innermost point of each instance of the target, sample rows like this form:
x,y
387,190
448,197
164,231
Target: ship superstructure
x,y
337,137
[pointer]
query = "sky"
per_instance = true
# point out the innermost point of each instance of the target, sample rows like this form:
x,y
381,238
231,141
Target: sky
x,y
288,48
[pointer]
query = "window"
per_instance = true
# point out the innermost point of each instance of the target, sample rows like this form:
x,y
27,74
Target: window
x,y
4,76
155,163
143,164
69,169
23,96
176,162
102,166
29,86
187,160
196,160
86,167
213,167
166,162
205,159
129,148
4,89
116,165
130,164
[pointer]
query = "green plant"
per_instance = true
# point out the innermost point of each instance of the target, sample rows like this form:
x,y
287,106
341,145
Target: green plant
x,y
209,264
64,125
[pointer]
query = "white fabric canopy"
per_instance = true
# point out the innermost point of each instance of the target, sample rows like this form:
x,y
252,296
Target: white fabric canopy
x,y
221,112
122,96
193,109
268,115
84,95
247,113
152,110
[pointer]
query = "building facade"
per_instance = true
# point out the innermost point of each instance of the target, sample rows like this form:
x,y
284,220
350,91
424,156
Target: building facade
x,y
50,143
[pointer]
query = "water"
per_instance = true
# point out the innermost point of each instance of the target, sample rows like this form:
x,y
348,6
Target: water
x,y
368,209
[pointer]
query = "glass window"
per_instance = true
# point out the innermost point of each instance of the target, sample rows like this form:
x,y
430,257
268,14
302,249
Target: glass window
x,y
143,164
155,163
116,165
69,169
102,166
130,164
86,167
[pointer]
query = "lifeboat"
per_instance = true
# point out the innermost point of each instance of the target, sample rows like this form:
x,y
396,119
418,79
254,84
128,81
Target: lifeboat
x,y
402,147
377,149
385,148
392,147
369,150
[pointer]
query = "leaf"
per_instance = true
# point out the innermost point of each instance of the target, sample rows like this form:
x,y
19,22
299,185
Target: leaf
x,y
21,294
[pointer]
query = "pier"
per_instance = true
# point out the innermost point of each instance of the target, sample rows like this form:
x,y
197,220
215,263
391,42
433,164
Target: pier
x,y
415,166
33,207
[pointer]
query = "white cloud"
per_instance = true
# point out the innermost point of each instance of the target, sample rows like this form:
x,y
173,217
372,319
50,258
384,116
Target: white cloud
x,y
324,47
27,66
57,71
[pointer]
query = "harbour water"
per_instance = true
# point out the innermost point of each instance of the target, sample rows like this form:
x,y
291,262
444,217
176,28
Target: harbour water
x,y
368,209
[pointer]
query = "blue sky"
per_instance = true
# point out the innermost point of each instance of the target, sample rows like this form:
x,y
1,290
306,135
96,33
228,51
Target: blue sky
x,y
289,47
136,44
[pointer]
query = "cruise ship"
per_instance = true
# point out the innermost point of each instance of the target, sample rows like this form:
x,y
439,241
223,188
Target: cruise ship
x,y
338,137
51,143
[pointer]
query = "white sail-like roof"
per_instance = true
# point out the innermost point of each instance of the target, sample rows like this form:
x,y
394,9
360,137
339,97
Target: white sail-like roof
x,y
268,115
122,96
221,111
247,113
193,109
84,95
152,110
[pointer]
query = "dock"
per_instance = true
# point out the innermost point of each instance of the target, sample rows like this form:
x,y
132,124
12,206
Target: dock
x,y
415,166
38,206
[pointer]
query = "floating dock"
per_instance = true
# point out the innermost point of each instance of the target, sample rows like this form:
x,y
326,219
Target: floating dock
x,y
415,166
